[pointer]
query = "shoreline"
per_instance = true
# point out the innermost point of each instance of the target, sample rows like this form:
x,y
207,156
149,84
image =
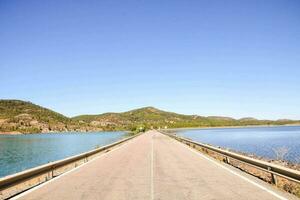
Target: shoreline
x,y
168,129
232,127
55,132
11,133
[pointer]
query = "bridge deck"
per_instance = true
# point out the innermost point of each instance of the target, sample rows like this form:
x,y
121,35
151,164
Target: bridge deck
x,y
154,166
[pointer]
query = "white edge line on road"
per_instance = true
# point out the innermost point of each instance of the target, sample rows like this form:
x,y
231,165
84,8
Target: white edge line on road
x,y
152,169
66,173
233,172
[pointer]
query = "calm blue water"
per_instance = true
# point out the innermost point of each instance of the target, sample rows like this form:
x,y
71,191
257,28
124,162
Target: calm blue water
x,y
20,152
262,141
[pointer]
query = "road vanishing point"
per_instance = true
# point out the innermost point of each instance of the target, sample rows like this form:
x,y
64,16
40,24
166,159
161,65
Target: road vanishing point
x,y
156,167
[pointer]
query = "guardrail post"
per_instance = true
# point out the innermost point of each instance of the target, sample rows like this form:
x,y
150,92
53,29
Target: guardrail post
x,y
273,176
53,171
274,179
227,160
50,174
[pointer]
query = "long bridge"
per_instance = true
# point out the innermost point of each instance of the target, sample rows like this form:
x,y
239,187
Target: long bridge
x,y
153,166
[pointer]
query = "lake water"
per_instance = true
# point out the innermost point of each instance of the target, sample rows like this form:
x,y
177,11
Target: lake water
x,y
268,142
20,152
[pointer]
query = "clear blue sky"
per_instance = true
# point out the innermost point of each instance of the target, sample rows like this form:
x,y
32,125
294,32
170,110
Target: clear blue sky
x,y
232,58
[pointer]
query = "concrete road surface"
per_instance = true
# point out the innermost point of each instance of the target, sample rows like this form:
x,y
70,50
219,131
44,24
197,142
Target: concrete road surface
x,y
154,166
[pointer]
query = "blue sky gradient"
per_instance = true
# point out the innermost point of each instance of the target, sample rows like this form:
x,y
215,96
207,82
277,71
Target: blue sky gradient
x,y
230,58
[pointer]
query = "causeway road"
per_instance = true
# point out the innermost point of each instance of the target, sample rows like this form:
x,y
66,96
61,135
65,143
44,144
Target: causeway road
x,y
156,167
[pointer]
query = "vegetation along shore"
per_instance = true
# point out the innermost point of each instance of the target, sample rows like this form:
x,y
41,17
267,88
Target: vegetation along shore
x,y
18,116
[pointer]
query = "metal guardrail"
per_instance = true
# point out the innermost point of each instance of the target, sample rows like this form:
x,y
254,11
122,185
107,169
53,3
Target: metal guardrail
x,y
273,169
14,184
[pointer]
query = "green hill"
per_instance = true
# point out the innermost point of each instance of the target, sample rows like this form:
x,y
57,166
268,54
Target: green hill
x,y
146,117
150,117
26,117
